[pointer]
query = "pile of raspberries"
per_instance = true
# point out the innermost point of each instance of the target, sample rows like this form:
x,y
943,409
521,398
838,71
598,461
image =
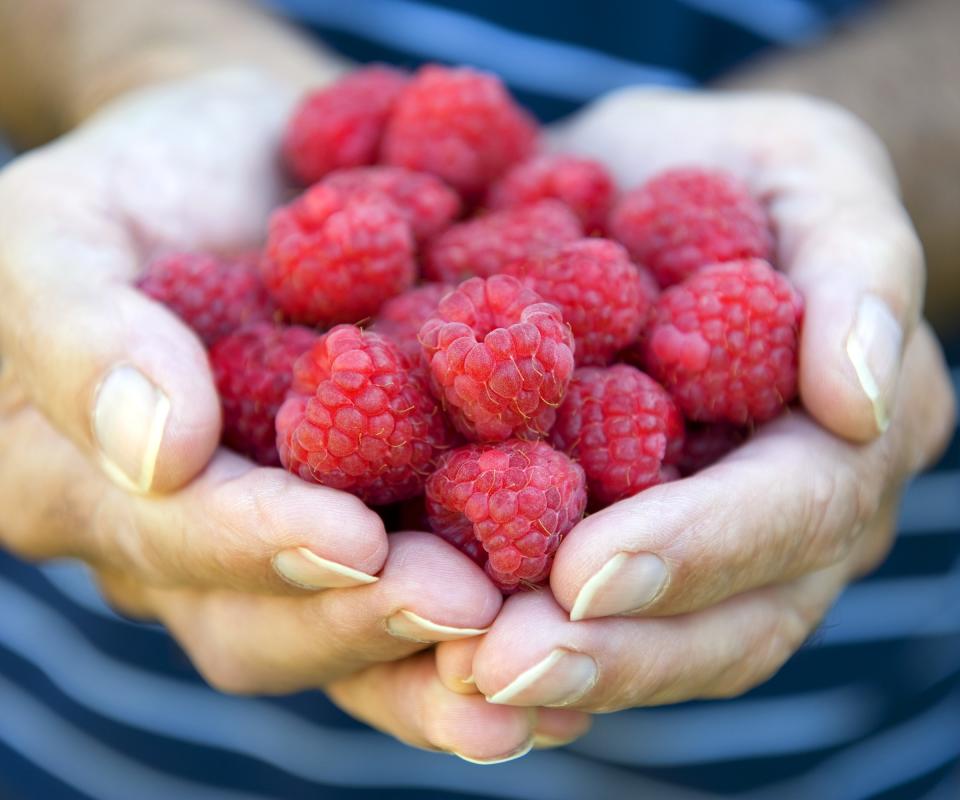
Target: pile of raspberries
x,y
482,337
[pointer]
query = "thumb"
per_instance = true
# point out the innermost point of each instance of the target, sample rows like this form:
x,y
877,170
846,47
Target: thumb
x,y
849,247
118,374
862,283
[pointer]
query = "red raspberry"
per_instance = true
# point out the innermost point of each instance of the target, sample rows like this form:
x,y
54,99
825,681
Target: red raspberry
x,y
622,427
704,445
401,317
583,184
724,342
602,296
213,296
518,499
485,245
359,420
253,369
331,259
459,124
500,359
426,202
341,125
684,219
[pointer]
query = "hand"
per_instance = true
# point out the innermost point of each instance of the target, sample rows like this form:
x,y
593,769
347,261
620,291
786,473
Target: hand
x,y
230,556
705,586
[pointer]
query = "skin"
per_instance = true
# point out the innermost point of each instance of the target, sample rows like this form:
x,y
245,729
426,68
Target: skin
x,y
188,164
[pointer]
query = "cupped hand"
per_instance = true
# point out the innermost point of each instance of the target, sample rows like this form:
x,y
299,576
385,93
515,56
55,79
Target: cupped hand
x,y
109,424
703,587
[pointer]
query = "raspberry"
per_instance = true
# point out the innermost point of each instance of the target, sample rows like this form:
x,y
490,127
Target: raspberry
x,y
341,125
704,445
459,124
500,359
602,296
253,369
213,296
583,184
684,219
518,499
622,427
359,420
484,246
330,258
401,317
426,202
724,342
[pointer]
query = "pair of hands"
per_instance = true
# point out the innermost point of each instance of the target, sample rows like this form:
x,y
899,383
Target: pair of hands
x,y
697,588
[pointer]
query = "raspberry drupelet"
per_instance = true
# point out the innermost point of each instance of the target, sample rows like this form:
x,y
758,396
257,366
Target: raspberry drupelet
x,y
582,184
603,297
500,359
517,498
685,219
334,258
459,124
214,296
622,427
358,419
253,370
341,125
725,343
426,202
484,246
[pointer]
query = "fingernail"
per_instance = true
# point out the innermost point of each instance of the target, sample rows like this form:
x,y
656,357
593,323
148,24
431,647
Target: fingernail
x,y
562,678
524,749
627,582
874,348
414,628
129,417
304,568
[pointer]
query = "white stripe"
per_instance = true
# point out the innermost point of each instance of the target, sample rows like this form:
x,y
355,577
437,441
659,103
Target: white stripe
x,y
260,730
71,756
781,21
745,729
889,759
524,61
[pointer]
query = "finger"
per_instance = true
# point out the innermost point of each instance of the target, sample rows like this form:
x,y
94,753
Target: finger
x,y
557,727
792,500
242,643
535,656
118,374
848,245
407,700
236,526
554,728
455,665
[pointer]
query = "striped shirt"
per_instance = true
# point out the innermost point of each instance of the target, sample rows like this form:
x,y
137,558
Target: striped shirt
x,y
95,706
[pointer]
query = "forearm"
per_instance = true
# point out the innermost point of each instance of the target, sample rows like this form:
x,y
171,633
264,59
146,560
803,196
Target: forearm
x,y
897,69
62,59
